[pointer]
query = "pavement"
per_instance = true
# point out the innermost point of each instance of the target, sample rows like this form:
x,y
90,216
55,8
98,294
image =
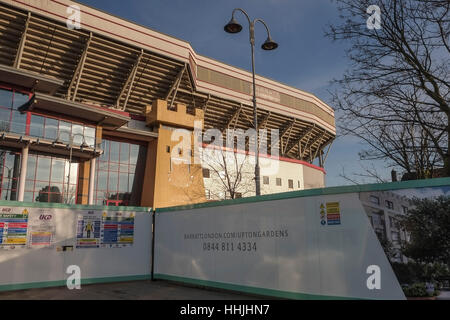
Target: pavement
x,y
133,290
445,295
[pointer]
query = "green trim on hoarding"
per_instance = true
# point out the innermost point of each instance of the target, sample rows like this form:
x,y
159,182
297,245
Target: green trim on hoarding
x,y
8,203
427,183
62,283
250,290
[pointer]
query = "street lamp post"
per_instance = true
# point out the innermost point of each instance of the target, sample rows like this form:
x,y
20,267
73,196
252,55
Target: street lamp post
x,y
234,27
70,146
9,183
82,146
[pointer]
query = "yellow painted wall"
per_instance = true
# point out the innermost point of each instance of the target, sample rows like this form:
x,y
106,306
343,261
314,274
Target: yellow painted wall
x,y
83,182
168,182
178,117
98,136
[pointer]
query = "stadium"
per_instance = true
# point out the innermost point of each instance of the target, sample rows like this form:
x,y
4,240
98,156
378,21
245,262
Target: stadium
x,y
87,114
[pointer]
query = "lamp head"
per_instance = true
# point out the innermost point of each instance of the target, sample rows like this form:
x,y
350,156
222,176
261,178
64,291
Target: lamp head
x,y
233,26
269,44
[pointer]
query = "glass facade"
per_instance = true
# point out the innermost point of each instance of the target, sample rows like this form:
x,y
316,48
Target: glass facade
x,y
11,120
9,174
51,179
64,131
119,173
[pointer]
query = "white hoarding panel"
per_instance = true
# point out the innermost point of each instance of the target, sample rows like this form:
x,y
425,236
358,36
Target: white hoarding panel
x,y
105,242
280,247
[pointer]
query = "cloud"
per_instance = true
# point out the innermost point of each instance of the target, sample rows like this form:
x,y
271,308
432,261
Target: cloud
x,y
422,193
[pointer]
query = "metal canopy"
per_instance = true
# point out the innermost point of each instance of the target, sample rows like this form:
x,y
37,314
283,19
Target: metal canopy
x,y
94,114
31,80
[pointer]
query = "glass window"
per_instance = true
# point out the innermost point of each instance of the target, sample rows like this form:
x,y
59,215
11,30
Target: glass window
x,y
114,151
291,184
5,119
10,119
113,166
102,180
65,131
51,128
4,194
43,169
89,136
37,126
53,197
279,182
18,122
41,186
20,99
6,97
28,197
266,180
73,172
58,167
70,195
105,148
102,165
389,204
392,222
6,181
134,153
78,134
130,180
123,182
9,160
29,185
206,173
31,167
113,181
47,178
124,152
12,162
374,199
56,187
9,172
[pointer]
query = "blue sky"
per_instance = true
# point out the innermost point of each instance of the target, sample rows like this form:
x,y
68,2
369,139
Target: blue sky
x,y
305,58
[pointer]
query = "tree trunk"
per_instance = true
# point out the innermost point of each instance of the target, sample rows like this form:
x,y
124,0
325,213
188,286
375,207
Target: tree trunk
x,y
447,155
